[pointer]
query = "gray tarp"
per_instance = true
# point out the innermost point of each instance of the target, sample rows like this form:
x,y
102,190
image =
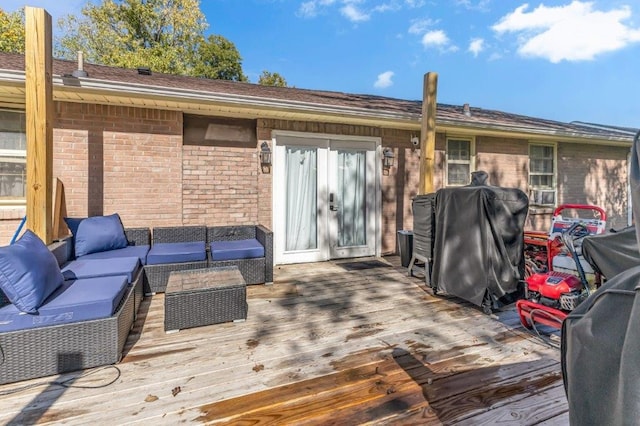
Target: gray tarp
x,y
479,242
600,350
613,252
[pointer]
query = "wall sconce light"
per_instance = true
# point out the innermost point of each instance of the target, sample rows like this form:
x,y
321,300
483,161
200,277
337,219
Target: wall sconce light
x,y
265,157
387,158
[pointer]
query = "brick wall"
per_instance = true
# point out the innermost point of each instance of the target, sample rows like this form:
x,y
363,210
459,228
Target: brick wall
x,y
220,185
582,173
132,161
10,218
120,160
504,159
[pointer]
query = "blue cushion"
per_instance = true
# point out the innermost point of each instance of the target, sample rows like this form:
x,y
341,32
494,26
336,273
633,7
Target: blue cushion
x,y
240,249
91,268
29,272
72,224
161,253
129,251
99,233
73,301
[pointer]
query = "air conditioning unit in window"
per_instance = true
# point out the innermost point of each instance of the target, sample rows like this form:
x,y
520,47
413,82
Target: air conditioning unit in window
x,y
542,197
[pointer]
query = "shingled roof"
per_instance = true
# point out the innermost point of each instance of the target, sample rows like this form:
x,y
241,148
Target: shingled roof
x,y
363,103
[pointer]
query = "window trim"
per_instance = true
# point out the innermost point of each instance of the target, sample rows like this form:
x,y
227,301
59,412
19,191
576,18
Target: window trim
x,y
17,154
554,174
471,162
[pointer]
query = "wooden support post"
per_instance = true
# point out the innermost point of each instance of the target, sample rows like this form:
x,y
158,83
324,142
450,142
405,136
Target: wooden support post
x,y
39,123
428,133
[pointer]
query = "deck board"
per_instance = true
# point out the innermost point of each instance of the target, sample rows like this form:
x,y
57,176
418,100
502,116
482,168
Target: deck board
x,y
325,344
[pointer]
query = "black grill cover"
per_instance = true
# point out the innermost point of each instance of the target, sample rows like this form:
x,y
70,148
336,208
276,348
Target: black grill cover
x,y
423,221
613,252
600,347
479,242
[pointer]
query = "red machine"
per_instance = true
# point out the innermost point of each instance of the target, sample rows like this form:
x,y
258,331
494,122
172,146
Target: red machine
x,y
550,296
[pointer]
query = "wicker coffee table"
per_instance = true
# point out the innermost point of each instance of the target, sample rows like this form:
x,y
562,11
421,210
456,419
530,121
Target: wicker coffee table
x,y
198,297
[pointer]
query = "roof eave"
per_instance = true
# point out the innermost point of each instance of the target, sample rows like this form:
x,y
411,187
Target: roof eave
x,y
68,88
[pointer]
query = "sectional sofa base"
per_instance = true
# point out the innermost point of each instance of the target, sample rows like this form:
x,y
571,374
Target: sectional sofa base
x,y
46,351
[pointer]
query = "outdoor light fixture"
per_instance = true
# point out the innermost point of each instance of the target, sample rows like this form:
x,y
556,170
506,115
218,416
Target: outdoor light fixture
x,y
265,157
387,158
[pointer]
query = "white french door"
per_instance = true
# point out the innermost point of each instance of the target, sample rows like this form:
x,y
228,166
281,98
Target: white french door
x,y
326,202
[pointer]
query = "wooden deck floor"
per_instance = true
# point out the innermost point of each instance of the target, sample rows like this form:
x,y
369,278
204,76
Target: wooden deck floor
x,y
339,343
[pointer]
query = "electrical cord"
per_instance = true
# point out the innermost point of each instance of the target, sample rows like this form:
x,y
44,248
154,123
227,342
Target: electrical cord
x,y
67,383
545,340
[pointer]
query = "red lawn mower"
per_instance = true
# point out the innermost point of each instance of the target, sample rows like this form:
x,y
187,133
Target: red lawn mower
x,y
550,295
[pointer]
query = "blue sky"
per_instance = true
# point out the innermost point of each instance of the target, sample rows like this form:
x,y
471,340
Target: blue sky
x,y
562,60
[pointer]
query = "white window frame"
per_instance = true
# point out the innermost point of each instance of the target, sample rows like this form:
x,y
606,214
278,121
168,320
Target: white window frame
x,y
16,155
471,162
534,189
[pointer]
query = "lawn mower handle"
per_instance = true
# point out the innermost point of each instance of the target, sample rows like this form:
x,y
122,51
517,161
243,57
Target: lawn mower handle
x,y
600,210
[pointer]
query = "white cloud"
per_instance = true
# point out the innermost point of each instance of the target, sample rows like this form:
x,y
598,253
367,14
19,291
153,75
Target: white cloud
x,y
438,39
476,46
307,9
413,4
354,14
386,7
384,80
481,5
354,10
574,32
419,26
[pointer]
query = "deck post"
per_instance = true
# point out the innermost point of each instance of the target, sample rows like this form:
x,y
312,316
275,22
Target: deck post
x,y
39,121
428,133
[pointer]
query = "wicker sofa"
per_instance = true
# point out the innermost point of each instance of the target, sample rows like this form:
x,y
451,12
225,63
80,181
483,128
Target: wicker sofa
x,y
54,349
255,270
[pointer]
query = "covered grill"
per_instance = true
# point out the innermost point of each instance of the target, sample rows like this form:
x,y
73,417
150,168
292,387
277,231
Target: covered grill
x,y
423,224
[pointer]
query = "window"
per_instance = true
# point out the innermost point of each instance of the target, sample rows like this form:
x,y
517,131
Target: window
x,y
13,155
542,160
459,161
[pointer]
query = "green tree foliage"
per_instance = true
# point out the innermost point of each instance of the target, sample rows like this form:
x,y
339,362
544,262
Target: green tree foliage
x,y
12,31
164,35
161,34
272,79
218,58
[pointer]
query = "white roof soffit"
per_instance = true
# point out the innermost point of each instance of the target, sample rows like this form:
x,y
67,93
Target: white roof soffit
x,y
253,107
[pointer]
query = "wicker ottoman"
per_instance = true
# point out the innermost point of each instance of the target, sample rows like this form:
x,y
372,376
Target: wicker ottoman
x,y
198,297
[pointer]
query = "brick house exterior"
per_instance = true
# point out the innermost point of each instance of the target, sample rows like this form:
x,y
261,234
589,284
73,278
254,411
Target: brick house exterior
x,y
142,155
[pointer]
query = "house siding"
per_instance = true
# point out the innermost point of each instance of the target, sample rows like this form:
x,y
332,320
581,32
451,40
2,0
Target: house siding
x,y
582,169
220,185
136,162
123,160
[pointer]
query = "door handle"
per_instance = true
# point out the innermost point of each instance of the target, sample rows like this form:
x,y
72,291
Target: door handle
x,y
332,206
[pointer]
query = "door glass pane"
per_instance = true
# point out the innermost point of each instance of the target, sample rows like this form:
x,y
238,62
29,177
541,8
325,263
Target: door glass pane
x,y
351,198
301,195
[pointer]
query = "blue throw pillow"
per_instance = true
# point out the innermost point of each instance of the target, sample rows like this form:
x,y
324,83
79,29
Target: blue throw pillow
x,y
29,272
99,233
72,224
